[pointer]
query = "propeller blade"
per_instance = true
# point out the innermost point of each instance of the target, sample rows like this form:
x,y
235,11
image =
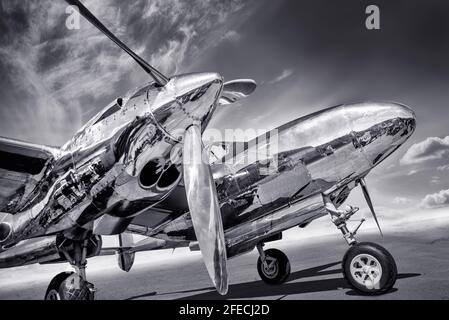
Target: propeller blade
x,y
204,208
155,74
370,203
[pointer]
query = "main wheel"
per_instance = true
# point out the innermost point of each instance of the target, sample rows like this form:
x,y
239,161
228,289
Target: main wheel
x,y
275,269
370,268
69,286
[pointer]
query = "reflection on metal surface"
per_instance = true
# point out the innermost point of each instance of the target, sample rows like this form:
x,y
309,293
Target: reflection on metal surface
x,y
320,153
30,251
253,232
120,166
204,209
98,171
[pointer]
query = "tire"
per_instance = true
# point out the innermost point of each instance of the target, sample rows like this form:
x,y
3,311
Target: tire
x,y
62,287
278,270
369,269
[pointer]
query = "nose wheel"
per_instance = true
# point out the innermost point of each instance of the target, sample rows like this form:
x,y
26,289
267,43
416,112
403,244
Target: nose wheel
x,y
273,266
369,268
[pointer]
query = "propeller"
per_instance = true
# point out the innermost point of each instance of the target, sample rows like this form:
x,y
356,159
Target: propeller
x,y
204,208
370,203
199,184
155,74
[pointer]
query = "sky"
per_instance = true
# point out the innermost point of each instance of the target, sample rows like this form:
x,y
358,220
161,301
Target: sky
x,y
305,56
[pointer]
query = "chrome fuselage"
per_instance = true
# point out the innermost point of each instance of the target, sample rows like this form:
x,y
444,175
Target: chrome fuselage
x,y
128,159
119,163
263,193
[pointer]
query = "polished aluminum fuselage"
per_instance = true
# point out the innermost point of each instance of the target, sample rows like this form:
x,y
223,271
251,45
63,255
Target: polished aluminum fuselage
x,y
95,181
102,180
323,153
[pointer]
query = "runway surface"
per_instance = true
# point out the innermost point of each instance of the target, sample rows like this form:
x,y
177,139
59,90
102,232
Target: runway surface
x,y
421,250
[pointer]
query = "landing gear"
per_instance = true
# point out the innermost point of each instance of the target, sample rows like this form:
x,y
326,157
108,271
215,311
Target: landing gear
x,y
368,267
72,285
273,266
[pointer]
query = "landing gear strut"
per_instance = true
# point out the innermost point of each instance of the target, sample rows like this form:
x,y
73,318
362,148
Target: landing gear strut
x,y
72,285
273,266
368,267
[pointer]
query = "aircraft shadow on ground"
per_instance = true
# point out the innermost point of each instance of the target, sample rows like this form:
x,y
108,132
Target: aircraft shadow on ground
x,y
260,289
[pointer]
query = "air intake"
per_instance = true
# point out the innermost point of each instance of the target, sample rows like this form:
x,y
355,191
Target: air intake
x,y
5,231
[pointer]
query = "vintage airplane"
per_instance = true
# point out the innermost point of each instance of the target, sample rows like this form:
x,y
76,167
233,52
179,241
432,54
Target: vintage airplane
x,y
138,167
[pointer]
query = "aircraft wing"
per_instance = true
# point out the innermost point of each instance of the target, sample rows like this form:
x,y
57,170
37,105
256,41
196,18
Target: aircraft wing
x,y
148,244
22,165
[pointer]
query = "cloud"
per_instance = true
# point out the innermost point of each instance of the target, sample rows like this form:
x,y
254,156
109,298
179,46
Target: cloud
x,y
287,73
54,79
435,180
232,36
402,201
436,200
432,148
443,168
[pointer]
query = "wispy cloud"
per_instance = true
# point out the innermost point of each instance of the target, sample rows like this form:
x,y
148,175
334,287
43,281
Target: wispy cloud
x,y
62,75
287,73
232,36
402,201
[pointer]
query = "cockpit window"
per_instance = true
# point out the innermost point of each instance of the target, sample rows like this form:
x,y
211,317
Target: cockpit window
x,y
110,111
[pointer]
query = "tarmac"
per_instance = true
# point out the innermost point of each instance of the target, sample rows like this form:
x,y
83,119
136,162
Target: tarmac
x,y
420,248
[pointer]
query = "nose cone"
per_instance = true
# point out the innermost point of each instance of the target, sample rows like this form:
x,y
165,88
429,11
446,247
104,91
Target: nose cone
x,y
381,128
405,114
408,118
192,99
367,115
401,122
199,93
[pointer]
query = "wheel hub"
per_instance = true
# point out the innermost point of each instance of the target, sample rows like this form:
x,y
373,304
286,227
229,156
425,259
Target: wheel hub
x,y
53,295
270,267
367,271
